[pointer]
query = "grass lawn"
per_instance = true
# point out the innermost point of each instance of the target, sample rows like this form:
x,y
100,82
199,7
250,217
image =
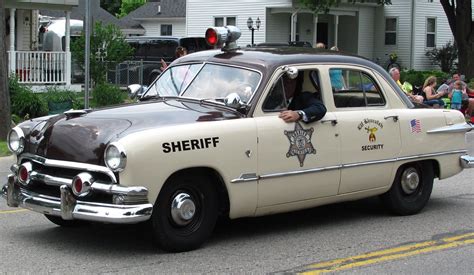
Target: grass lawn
x,y
4,149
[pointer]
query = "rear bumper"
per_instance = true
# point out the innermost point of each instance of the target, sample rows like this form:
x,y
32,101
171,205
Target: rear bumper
x,y
68,208
467,161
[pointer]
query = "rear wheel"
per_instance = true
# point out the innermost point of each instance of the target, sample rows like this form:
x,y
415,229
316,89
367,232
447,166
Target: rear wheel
x,y
185,213
64,223
411,188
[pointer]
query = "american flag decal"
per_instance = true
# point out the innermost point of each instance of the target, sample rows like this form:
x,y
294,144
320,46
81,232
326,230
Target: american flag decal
x,y
415,126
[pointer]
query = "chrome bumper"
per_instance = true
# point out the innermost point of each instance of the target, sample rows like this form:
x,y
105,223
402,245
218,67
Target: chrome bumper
x,y
467,161
68,208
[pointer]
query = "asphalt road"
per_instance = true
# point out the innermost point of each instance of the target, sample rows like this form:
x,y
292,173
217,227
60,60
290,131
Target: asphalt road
x,y
362,235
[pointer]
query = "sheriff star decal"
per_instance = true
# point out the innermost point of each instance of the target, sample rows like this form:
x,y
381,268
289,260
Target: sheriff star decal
x,y
300,143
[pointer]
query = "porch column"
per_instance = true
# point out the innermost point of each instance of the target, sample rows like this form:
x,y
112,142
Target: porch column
x,y
336,26
315,32
12,42
68,49
294,20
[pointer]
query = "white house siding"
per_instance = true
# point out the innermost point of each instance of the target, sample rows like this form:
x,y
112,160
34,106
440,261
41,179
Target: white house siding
x,y
153,28
23,30
423,11
366,32
200,15
277,27
400,9
348,33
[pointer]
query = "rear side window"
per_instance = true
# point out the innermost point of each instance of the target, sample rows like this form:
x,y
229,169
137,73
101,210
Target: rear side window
x,y
352,88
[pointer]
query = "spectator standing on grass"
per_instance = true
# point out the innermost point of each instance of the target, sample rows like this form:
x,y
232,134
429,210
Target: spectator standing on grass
x,y
456,95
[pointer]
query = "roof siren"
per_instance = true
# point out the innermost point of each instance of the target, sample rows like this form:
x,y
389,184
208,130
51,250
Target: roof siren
x,y
223,37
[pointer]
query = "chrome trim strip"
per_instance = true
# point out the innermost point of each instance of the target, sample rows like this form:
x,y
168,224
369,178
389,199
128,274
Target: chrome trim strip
x,y
245,178
467,161
456,128
355,164
314,170
69,164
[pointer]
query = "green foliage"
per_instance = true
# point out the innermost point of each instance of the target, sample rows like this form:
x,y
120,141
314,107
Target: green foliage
x,y
4,149
319,6
108,47
24,102
129,6
417,78
107,94
444,57
112,6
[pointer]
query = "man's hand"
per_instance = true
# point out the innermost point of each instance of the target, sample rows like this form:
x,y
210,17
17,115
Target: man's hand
x,y
163,65
289,116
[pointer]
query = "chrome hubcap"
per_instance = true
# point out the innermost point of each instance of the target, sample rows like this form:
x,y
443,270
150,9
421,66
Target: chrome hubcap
x,y
182,209
410,180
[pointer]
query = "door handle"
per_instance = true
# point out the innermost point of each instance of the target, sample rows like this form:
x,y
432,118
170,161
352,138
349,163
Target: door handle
x,y
395,118
333,121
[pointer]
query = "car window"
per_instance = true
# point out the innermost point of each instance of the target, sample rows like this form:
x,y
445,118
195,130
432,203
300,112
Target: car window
x,y
352,88
162,48
275,101
307,81
174,80
218,81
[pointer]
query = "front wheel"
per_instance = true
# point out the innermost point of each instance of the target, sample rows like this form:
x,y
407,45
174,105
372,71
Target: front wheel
x,y
411,188
185,213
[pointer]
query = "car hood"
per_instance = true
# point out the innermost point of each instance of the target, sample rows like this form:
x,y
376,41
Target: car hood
x,y
83,138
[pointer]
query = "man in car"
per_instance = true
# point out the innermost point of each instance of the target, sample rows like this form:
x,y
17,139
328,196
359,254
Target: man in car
x,y
302,106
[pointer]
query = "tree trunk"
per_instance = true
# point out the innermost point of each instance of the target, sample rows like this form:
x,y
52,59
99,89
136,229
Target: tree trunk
x,y
5,118
466,60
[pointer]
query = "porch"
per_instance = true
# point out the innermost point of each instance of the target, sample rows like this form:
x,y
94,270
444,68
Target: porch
x,y
26,60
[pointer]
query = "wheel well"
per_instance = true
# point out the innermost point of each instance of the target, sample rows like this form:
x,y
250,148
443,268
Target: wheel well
x,y
215,178
432,162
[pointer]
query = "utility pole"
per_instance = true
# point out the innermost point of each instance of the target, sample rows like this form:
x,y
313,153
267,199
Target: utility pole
x,y
5,116
87,56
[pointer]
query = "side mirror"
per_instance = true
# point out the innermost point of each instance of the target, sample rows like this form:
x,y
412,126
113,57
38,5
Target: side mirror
x,y
291,72
136,90
233,100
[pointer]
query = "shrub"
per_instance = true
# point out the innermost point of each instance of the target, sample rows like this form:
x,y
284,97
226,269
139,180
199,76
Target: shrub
x,y
24,102
107,94
444,57
417,78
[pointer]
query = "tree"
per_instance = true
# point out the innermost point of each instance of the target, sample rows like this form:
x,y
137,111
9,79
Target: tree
x,y
459,14
112,6
318,6
108,47
129,6
5,120
444,57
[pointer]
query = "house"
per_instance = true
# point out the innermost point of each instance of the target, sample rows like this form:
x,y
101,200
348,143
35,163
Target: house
x,y
407,27
165,18
31,65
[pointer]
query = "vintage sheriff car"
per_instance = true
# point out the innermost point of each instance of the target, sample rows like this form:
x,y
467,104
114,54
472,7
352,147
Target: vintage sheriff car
x,y
205,140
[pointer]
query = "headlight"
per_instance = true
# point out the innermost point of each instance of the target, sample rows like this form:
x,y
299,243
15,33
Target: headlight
x,y
16,140
115,157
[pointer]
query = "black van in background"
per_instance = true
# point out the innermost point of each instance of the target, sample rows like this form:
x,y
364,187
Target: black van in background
x,y
151,50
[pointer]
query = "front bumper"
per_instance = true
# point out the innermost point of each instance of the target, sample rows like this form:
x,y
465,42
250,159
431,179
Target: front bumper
x,y
68,208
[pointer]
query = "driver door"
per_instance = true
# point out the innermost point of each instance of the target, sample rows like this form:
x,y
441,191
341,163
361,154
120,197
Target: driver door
x,y
296,161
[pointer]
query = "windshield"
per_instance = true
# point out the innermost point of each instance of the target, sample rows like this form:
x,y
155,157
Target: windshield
x,y
213,82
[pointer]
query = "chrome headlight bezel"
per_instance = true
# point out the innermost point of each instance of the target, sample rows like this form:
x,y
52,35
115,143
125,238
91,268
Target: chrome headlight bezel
x,y
16,135
115,157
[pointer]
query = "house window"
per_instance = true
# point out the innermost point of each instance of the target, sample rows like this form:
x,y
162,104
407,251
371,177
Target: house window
x,y
224,21
430,32
166,30
390,31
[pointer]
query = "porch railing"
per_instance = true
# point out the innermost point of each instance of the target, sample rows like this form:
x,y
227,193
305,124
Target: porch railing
x,y
36,67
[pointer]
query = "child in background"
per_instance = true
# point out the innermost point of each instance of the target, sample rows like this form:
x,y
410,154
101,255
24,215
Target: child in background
x,y
456,96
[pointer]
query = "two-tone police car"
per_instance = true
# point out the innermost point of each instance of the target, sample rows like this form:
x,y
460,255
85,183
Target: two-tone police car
x,y
205,140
